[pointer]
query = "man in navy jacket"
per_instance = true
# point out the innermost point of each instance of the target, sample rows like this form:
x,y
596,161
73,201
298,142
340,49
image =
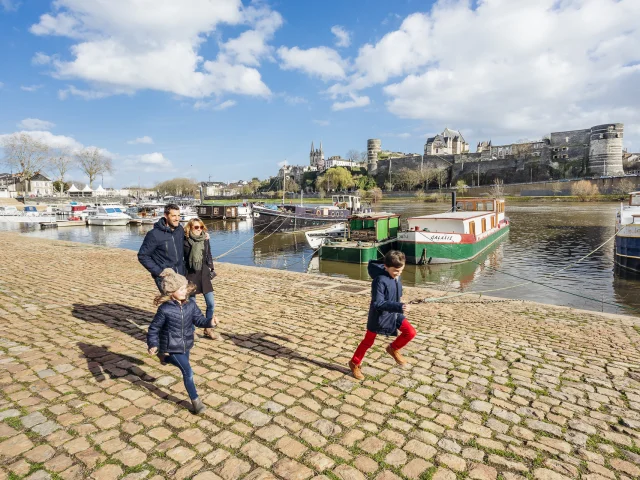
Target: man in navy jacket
x,y
163,245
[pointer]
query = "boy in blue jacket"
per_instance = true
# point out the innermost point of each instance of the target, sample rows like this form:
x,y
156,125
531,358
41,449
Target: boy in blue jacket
x,y
386,312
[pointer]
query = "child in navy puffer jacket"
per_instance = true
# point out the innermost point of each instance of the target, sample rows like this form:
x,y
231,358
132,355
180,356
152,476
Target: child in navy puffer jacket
x,y
170,334
386,312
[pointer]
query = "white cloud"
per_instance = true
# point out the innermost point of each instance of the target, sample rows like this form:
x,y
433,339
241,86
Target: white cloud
x,y
251,46
85,94
41,59
35,124
49,139
322,123
343,37
202,105
520,67
224,105
1,84
30,88
9,5
156,47
356,101
322,62
146,139
294,100
147,163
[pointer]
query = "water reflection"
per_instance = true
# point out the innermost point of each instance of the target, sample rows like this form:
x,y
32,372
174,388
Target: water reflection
x,y
544,238
447,277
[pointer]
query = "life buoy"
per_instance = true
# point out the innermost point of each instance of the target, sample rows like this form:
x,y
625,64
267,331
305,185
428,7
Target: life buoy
x,y
318,213
224,217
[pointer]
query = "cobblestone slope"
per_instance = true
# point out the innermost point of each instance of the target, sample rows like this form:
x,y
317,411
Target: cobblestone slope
x,y
507,390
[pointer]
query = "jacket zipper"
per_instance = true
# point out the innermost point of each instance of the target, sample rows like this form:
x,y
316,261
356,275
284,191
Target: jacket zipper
x,y
175,249
184,344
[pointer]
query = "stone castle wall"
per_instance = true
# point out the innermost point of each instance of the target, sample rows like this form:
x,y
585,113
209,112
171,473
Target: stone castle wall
x,y
594,151
605,149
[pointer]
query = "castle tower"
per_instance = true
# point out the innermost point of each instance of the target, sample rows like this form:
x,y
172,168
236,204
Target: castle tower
x,y
374,146
605,149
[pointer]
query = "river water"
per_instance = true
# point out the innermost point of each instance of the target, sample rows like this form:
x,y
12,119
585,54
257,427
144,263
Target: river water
x,y
544,238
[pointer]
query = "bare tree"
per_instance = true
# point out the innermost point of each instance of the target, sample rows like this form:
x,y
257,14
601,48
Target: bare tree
x,y
353,156
497,189
93,163
25,154
60,162
364,156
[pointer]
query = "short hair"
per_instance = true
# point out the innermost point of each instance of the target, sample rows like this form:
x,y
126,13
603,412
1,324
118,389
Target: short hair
x,y
170,206
394,258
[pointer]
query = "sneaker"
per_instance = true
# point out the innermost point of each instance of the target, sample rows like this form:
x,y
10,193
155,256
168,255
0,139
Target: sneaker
x,y
198,406
355,370
396,355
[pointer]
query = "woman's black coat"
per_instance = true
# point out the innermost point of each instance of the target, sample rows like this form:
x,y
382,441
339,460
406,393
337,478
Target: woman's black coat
x,y
201,278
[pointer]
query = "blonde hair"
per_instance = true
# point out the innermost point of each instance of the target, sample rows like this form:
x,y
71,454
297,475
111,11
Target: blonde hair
x,y
165,297
189,225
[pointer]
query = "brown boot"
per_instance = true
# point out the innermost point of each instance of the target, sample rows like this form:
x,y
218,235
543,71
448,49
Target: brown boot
x,y
396,355
208,332
355,370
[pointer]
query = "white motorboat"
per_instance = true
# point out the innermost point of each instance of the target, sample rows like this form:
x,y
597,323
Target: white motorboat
x,y
187,213
109,216
244,211
317,238
30,214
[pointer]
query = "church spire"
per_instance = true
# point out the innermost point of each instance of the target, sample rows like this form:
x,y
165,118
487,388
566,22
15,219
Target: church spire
x,y
312,145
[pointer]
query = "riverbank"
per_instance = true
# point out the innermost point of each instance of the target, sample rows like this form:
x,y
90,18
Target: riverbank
x,y
442,198
493,387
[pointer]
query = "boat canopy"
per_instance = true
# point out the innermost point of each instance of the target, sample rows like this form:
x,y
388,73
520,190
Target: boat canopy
x,y
370,227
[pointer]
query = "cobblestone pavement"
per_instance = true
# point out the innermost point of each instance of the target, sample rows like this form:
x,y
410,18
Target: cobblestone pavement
x,y
506,390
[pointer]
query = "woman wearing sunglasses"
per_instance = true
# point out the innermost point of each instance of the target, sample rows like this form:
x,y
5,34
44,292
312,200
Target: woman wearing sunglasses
x,y
199,263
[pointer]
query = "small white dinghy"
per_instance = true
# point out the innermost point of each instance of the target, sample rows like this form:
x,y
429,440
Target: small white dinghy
x,y
317,238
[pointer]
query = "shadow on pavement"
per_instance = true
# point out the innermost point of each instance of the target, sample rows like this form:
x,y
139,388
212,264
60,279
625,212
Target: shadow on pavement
x,y
260,342
130,320
104,364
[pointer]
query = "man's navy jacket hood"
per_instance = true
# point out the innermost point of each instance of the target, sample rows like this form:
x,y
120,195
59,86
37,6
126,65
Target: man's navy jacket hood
x,y
385,310
163,248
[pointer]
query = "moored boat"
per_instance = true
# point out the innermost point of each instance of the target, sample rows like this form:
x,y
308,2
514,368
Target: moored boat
x,y
109,216
454,236
292,218
316,238
369,237
244,211
217,212
29,214
627,245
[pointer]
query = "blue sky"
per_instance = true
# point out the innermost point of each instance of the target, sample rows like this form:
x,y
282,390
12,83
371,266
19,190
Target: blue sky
x,y
186,88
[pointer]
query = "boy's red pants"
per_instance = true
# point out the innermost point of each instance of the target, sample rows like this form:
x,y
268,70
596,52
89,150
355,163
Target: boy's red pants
x,y
407,332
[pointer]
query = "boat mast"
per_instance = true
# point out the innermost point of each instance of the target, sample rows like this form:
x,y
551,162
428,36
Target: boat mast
x,y
284,181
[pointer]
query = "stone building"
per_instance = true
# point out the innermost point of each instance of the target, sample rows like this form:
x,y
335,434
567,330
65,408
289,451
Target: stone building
x,y
38,185
595,151
316,157
374,146
449,142
338,161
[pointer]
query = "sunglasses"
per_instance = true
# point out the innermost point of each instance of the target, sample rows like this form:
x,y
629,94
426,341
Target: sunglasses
x,y
196,227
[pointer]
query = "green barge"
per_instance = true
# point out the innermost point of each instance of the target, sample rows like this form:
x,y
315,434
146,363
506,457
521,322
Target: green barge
x,y
455,236
369,236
